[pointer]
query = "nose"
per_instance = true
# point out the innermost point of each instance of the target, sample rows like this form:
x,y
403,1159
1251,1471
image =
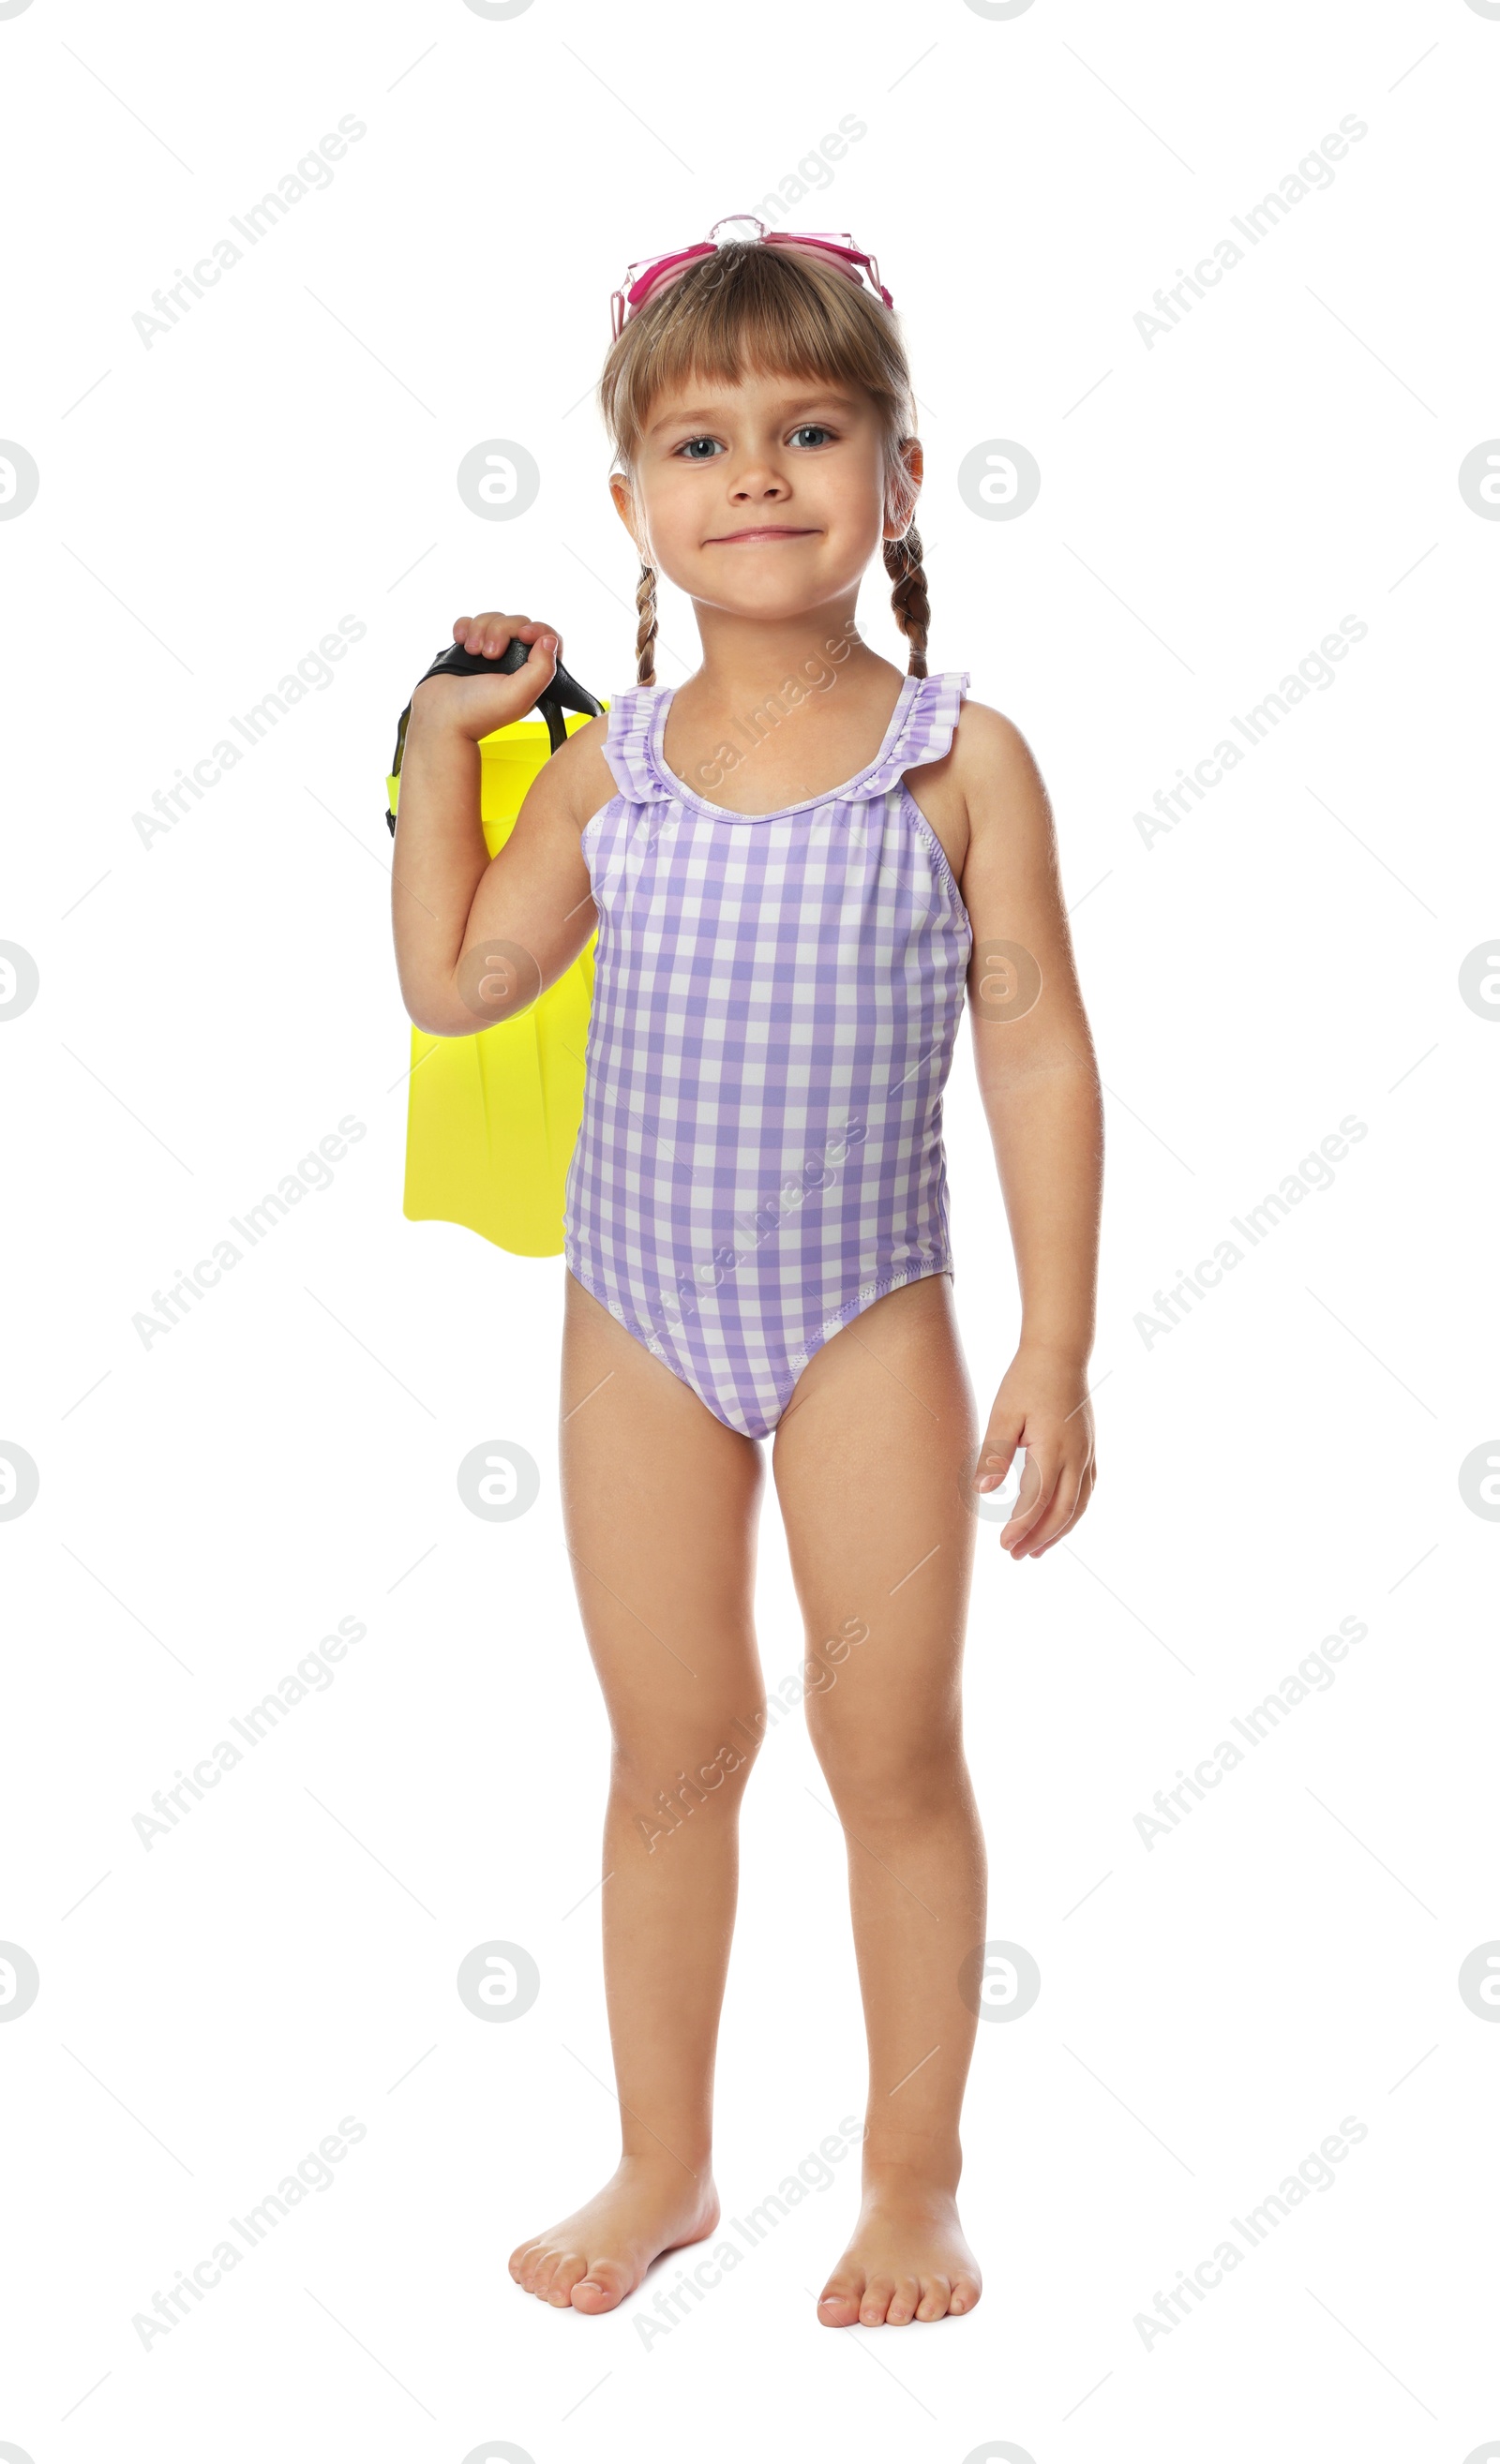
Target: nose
x,y
760,480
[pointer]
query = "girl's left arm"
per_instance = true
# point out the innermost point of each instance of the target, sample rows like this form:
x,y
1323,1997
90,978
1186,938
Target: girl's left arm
x,y
1040,1087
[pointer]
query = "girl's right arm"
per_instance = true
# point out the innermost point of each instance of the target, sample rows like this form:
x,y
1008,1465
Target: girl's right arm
x,y
480,938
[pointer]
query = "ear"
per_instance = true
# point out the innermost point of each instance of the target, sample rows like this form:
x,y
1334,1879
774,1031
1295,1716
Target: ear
x,y
625,506
897,524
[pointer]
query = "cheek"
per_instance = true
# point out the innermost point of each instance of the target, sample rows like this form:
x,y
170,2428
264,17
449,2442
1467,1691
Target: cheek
x,y
673,503
868,491
843,495
862,511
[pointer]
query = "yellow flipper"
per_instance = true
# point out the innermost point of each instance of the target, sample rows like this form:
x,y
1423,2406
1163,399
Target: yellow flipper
x,y
492,1117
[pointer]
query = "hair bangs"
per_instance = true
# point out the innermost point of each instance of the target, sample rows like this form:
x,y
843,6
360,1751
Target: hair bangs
x,y
750,310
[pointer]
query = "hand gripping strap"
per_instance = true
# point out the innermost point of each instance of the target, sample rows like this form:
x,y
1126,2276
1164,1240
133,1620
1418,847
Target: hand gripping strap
x,y
564,693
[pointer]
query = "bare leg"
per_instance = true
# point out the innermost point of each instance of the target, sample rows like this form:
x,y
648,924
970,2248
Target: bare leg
x,y
869,1460
661,1502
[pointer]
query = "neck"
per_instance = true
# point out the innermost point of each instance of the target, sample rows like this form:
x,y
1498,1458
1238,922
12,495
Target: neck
x,y
747,658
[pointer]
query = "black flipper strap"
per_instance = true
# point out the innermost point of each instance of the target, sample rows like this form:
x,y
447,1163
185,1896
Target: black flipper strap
x,y
564,693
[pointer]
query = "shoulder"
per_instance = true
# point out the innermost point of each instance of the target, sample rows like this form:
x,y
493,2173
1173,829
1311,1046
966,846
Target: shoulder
x,y
984,787
1009,831
995,774
577,780
583,755
989,750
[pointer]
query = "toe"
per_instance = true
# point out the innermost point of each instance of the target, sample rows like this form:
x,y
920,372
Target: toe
x,y
569,2269
878,2293
965,2294
839,2304
903,2301
601,2288
936,2294
519,2258
541,2279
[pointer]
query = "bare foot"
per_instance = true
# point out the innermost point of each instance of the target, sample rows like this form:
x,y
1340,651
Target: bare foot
x,y
907,2259
591,2260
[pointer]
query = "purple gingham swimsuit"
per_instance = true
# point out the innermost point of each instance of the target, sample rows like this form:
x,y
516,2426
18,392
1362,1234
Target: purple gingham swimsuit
x,y
776,997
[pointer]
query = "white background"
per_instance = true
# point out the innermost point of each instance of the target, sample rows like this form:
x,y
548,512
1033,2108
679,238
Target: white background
x,y
212,1005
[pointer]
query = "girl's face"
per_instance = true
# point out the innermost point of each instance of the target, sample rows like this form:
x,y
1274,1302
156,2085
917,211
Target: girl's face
x,y
766,499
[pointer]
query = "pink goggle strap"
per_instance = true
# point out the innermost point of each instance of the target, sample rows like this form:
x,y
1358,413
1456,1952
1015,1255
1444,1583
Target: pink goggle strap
x,y
650,274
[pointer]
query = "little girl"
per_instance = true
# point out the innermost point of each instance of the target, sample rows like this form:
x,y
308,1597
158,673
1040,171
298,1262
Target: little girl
x,y
797,862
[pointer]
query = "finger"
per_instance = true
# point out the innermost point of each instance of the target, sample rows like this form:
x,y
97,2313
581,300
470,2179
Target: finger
x,y
1062,1514
1080,1503
1035,1494
1031,1493
499,632
1080,1508
996,1456
473,629
540,641
1031,1505
486,635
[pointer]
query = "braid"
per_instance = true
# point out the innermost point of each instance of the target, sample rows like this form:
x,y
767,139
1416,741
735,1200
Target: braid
x,y
646,630
904,561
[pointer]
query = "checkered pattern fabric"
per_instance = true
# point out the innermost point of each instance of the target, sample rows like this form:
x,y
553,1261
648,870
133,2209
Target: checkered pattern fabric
x,y
776,997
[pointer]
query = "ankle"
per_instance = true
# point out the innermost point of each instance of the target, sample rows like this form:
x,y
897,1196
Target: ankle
x,y
910,2173
692,2175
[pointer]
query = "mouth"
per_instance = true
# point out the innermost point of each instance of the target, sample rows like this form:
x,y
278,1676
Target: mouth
x,y
768,530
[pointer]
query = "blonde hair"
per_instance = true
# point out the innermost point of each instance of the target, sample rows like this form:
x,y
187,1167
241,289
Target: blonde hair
x,y
753,308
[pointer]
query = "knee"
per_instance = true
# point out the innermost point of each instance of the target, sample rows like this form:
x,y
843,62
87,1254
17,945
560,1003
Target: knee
x,y
892,1783
668,1777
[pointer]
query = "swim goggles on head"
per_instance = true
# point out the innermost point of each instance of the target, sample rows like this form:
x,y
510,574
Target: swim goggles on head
x,y
650,274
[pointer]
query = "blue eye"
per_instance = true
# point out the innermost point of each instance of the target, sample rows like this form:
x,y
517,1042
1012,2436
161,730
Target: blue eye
x,y
689,455
813,428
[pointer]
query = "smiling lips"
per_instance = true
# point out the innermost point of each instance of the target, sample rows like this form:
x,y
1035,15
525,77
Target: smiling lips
x,y
768,531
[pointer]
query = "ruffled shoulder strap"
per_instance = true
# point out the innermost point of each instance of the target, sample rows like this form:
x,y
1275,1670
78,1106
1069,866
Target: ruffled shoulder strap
x,y
627,745
925,734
